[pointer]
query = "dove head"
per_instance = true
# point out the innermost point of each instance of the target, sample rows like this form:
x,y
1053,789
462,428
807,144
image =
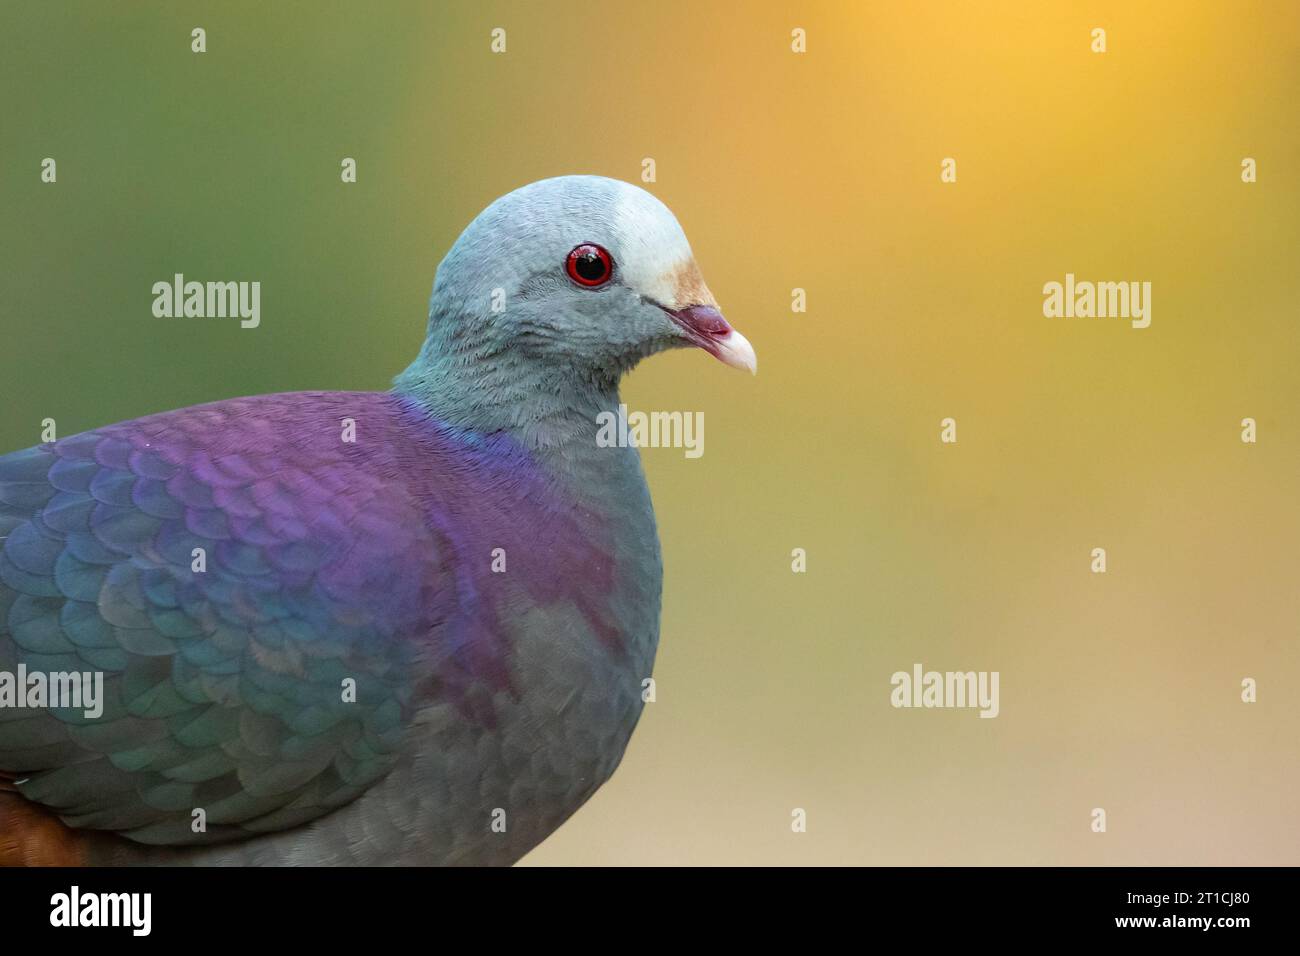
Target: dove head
x,y
570,280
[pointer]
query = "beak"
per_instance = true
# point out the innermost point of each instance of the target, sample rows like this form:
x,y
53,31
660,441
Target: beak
x,y
704,326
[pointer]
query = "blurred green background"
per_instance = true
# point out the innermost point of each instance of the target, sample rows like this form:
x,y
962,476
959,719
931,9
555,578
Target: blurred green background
x,y
818,171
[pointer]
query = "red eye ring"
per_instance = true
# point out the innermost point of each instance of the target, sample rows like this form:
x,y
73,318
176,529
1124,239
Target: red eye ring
x,y
589,265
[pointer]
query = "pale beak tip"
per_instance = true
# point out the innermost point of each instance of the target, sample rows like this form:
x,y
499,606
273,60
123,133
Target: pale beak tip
x,y
734,350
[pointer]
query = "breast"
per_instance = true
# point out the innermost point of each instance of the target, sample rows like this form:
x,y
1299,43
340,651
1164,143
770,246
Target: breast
x,y
577,603
563,580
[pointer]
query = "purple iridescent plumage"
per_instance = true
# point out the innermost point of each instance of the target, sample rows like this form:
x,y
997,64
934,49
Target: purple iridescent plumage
x,y
229,566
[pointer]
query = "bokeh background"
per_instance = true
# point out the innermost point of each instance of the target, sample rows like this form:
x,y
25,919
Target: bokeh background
x,y
818,171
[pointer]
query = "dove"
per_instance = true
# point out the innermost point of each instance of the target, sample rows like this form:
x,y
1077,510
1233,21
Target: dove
x,y
355,628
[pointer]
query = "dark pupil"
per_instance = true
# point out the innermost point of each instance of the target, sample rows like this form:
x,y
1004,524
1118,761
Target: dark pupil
x,y
589,266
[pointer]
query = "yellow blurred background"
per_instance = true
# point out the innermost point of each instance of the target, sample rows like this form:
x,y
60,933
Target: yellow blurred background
x,y
818,171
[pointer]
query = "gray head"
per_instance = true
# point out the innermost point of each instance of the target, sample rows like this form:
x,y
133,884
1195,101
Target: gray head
x,y
575,277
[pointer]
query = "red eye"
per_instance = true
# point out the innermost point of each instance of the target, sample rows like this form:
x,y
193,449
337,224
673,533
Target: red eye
x,y
589,265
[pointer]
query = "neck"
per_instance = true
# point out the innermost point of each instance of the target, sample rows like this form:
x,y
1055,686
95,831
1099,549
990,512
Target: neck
x,y
490,391
552,416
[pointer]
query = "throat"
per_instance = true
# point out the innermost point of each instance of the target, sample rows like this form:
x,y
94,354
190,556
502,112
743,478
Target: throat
x,y
540,408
